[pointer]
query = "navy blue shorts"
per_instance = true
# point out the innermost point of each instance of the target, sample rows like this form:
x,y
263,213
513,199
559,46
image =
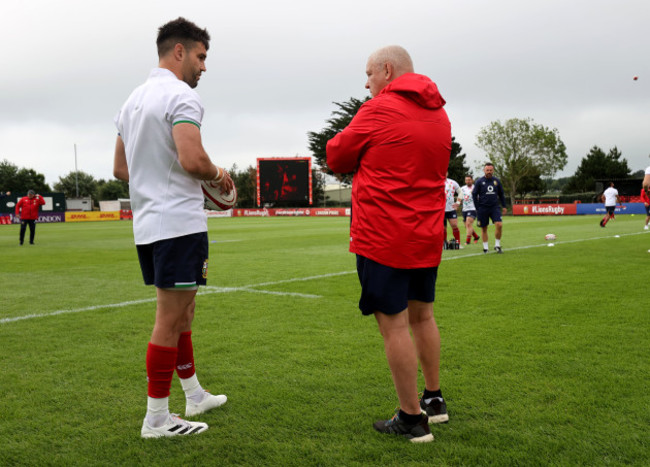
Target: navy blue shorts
x,y
471,213
388,290
175,263
485,214
451,214
647,210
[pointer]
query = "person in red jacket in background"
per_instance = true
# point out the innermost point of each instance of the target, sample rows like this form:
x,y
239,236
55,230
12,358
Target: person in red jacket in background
x,y
646,201
27,210
398,146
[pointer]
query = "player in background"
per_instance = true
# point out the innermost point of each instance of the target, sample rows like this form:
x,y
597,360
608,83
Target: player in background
x,y
645,199
160,153
452,189
646,188
468,209
610,197
487,194
398,145
27,211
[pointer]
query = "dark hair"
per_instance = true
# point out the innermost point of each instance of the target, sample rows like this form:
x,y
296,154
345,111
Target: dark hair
x,y
183,31
489,163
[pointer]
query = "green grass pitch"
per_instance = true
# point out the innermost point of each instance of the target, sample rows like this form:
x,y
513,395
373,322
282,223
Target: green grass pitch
x,y
545,350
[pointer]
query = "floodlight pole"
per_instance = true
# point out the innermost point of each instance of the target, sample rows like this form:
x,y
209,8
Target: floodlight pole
x,y
76,172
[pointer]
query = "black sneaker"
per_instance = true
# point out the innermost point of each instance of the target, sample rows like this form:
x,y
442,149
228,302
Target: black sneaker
x,y
417,433
484,250
435,408
498,249
601,223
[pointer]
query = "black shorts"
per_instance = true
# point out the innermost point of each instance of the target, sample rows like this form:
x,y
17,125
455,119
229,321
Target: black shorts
x,y
610,210
175,263
471,213
388,290
647,210
485,214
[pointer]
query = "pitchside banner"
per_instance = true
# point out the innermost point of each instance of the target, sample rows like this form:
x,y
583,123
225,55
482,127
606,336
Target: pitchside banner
x,y
83,216
626,208
572,209
543,209
43,218
292,212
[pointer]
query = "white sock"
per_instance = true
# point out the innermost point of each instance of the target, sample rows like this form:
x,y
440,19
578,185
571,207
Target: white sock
x,y
485,246
192,388
157,411
497,242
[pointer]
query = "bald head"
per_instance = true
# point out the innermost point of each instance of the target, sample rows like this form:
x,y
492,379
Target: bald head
x,y
385,65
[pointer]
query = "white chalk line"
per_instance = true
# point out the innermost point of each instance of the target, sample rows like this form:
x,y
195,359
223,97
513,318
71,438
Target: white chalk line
x,y
252,288
202,291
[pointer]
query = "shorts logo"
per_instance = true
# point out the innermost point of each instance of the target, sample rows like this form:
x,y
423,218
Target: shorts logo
x,y
204,270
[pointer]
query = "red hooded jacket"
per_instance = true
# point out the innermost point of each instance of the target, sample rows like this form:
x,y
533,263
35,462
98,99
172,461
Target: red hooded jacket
x,y
29,207
399,144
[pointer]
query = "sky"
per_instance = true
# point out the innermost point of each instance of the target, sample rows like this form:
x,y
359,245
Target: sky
x,y
275,69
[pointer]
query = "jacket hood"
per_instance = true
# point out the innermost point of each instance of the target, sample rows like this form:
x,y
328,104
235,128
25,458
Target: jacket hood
x,y
418,88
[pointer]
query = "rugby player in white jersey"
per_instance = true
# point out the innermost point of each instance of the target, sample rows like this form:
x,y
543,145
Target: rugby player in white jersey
x,y
160,153
468,209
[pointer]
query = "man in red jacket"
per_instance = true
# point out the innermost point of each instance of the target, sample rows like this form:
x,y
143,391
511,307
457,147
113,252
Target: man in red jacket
x,y
27,211
398,146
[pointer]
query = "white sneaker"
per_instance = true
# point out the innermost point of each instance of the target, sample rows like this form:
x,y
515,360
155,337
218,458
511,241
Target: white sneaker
x,y
175,426
209,402
645,227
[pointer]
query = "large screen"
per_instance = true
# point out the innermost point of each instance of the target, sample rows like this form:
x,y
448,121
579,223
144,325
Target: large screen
x,y
284,181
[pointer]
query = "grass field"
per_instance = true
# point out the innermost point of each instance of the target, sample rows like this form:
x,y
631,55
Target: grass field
x,y
545,351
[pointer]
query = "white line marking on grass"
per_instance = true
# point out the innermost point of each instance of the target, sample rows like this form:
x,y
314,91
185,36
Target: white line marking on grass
x,y
202,291
580,240
76,310
210,290
253,287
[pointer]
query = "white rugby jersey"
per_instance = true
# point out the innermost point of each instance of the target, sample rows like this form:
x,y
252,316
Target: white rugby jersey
x,y
466,197
610,196
452,188
166,200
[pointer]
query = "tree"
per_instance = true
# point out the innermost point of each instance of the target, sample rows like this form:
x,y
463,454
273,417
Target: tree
x,y
112,190
20,180
532,184
246,184
597,165
339,120
520,148
86,183
457,168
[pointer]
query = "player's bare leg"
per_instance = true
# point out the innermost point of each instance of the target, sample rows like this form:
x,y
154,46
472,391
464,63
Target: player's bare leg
x,y
427,341
174,314
484,237
402,358
498,229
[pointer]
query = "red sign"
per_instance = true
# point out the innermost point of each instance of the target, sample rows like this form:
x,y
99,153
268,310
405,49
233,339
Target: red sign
x,y
544,209
299,212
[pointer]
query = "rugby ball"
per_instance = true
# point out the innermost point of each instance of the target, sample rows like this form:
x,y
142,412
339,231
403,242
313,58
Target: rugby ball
x,y
550,237
215,200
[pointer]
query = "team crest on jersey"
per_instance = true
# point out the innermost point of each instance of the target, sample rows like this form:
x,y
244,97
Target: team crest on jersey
x,y
495,183
204,270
